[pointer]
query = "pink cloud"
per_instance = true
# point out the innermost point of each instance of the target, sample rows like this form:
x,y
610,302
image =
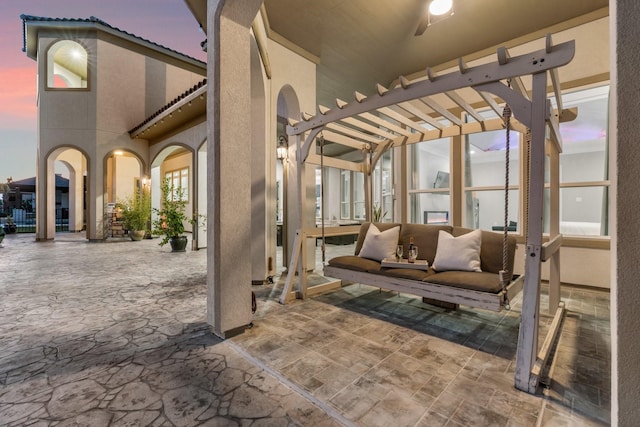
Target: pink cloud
x,y
18,94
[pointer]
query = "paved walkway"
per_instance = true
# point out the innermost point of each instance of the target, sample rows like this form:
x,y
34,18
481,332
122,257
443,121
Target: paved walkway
x,y
111,334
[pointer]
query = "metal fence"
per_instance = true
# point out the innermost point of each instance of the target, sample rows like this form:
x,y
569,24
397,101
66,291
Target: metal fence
x,y
21,221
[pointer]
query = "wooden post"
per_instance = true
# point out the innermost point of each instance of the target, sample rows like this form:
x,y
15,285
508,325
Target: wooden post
x,y
528,336
554,226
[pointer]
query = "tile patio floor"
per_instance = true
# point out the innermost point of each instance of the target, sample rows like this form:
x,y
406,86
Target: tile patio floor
x,y
114,334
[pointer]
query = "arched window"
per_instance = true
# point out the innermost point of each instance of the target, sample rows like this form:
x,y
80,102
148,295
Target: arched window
x,y
67,65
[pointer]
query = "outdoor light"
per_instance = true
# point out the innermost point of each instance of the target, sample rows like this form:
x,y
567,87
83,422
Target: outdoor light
x,y
118,152
281,151
440,7
436,11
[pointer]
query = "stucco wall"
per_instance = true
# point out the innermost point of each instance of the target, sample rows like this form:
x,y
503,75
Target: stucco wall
x,y
625,126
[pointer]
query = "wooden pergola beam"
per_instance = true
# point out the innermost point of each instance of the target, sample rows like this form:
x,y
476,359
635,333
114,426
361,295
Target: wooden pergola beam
x,y
534,62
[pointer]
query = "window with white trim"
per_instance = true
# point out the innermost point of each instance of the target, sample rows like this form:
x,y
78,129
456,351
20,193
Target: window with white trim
x,y
179,181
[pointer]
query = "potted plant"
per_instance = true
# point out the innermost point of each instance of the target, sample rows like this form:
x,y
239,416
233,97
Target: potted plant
x,y
171,217
377,214
136,213
10,226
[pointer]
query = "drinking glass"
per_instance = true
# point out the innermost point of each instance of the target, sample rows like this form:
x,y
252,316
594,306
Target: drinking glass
x,y
399,250
413,254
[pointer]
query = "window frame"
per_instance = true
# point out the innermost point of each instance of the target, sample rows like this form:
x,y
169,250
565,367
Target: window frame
x,y
179,175
49,67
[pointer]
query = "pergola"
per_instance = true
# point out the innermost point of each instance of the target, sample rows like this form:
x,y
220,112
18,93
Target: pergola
x,y
434,107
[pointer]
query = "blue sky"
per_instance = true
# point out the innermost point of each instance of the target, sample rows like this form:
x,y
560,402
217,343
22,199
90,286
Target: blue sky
x,y
167,22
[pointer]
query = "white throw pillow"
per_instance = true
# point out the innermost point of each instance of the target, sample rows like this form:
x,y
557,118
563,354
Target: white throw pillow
x,y
460,253
378,244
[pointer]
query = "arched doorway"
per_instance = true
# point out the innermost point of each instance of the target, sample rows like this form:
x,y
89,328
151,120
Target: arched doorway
x,y
201,186
288,107
176,163
57,209
125,175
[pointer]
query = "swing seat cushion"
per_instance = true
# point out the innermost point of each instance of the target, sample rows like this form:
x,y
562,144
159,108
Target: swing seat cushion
x,y
475,281
407,273
356,263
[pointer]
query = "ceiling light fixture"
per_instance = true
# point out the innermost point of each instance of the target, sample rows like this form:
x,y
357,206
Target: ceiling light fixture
x,y
437,10
440,7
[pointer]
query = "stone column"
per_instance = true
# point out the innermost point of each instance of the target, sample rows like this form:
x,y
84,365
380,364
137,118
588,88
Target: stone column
x,y
228,165
43,208
96,221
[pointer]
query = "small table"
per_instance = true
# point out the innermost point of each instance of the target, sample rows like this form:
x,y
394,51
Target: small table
x,y
419,264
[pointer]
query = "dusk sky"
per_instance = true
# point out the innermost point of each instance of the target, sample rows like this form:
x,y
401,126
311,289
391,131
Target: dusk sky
x,y
166,22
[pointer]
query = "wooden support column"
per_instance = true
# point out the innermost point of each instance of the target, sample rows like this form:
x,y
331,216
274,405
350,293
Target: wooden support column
x,y
368,187
554,226
456,185
228,165
528,336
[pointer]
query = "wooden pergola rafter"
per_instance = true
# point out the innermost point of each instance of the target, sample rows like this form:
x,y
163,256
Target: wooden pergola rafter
x,y
409,113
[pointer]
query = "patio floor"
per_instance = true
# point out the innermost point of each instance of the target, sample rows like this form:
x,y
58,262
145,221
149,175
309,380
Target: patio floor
x,y
110,334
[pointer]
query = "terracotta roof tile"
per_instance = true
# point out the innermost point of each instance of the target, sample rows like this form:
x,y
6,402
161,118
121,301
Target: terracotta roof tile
x,y
170,104
97,21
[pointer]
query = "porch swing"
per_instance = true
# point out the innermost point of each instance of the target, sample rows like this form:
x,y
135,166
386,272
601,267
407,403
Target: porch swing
x,y
399,121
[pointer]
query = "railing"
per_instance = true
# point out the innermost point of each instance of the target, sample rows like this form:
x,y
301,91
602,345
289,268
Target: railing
x,y
21,221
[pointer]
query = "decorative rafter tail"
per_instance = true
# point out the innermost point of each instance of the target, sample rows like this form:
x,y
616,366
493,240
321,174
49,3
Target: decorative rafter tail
x,y
340,103
503,55
359,96
292,122
306,116
548,43
462,66
404,82
381,89
430,74
323,110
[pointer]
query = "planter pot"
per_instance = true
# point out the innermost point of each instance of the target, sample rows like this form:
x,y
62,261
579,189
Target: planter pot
x,y
10,228
136,235
178,244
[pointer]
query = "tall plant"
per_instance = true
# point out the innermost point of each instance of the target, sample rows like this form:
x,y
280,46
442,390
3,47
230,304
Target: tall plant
x,y
136,210
171,217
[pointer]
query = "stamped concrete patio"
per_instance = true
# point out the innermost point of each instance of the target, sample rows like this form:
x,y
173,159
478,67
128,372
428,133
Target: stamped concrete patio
x,y
111,334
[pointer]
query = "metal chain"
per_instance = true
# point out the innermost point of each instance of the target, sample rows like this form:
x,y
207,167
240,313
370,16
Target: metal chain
x,y
527,141
321,141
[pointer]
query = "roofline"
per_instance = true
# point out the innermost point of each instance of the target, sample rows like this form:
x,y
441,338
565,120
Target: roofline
x,y
99,25
200,89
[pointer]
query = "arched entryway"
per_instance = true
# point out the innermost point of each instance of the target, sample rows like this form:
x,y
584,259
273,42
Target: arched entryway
x,y
57,210
200,183
178,164
125,175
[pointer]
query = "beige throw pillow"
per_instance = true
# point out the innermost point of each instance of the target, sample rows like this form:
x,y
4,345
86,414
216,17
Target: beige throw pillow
x,y
460,253
378,244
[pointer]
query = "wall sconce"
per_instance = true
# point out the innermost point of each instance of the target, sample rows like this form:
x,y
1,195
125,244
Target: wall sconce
x,y
282,150
145,181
